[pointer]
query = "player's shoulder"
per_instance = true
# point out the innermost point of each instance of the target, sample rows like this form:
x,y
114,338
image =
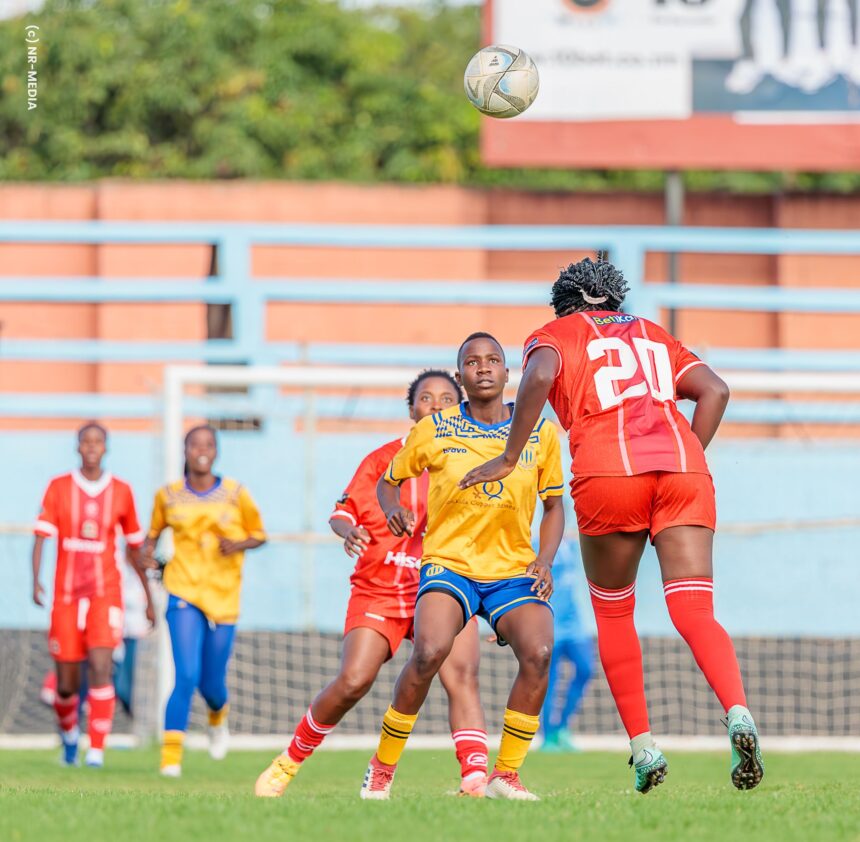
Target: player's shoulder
x,y
231,487
171,490
384,452
121,484
438,422
60,480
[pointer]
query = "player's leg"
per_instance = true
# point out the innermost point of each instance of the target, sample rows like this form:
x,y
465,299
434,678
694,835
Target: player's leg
x,y
66,645
459,677
187,625
685,554
101,699
214,658
550,718
365,650
528,629
580,651
439,617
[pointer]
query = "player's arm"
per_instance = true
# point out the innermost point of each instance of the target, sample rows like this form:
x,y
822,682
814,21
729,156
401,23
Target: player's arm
x,y
46,527
345,519
410,461
400,519
551,533
38,590
252,523
711,395
157,525
135,558
538,377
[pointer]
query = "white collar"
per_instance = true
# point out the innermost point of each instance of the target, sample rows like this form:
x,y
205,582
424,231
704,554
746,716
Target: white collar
x,y
92,488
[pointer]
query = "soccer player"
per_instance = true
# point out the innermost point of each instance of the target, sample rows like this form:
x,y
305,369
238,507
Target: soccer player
x,y
381,610
477,559
214,521
639,471
574,645
83,510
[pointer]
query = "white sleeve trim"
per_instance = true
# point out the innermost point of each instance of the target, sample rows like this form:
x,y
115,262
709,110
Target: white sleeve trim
x,y
687,367
528,353
345,515
42,527
134,539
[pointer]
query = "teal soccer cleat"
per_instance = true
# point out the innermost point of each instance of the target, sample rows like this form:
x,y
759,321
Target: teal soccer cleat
x,y
650,767
747,765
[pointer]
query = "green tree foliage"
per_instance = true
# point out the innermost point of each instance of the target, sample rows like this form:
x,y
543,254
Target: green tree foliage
x,y
294,89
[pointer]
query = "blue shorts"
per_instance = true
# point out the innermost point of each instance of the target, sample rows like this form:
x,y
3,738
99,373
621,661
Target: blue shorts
x,y
490,600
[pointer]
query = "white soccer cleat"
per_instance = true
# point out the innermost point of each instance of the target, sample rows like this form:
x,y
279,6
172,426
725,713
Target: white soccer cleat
x,y
745,77
508,785
377,781
219,741
95,758
473,786
174,770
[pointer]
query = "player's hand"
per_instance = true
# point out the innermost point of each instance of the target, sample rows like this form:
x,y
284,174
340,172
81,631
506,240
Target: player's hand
x,y
150,614
228,547
491,471
542,572
356,541
147,556
401,521
38,594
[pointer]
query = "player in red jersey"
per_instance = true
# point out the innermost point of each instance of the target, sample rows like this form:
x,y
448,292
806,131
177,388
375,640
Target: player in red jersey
x,y
84,510
381,610
639,471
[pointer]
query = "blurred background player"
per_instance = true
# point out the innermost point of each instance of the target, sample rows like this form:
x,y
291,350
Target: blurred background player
x,y
84,510
214,521
382,606
639,471
573,647
477,559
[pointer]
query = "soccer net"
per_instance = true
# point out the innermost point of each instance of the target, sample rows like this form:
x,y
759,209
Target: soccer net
x,y
294,436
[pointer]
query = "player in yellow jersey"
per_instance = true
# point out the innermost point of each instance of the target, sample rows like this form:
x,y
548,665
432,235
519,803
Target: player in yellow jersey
x,y
477,559
214,521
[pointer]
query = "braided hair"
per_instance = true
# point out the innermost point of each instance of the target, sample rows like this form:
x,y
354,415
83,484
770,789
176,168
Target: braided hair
x,y
412,391
588,285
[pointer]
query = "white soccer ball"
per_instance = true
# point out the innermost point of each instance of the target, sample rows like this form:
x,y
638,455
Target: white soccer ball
x,y
501,81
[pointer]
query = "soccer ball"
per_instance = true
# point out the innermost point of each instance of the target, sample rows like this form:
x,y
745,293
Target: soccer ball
x,y
501,81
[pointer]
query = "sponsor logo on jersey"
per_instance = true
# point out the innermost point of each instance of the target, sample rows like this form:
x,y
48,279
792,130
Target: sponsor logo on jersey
x,y
79,545
527,458
615,319
454,450
531,345
91,509
402,559
435,570
493,490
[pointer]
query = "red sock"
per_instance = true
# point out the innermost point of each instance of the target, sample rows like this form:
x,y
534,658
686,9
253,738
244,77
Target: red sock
x,y
309,734
471,747
67,711
621,654
102,701
691,607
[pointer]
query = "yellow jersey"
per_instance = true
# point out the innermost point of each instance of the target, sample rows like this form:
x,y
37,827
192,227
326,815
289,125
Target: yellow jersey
x,y
198,572
484,532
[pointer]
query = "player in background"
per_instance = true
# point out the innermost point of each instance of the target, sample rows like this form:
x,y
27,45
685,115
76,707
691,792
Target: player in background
x,y
381,610
477,559
573,645
639,471
214,521
84,510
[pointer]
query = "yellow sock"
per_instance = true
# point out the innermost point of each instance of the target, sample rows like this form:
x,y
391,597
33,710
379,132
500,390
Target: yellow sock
x,y
218,717
517,734
396,728
171,748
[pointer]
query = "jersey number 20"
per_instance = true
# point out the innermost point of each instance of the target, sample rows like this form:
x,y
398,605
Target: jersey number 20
x,y
646,358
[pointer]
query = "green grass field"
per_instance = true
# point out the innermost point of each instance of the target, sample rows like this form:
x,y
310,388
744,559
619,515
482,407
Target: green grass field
x,y
585,797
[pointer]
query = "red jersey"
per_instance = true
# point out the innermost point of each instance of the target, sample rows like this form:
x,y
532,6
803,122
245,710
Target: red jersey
x,y
388,569
85,516
615,394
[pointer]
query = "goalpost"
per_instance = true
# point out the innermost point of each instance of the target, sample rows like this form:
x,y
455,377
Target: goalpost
x,y
312,424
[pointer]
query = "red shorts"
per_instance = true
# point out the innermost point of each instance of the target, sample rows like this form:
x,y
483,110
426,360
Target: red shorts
x,y
652,501
360,614
84,624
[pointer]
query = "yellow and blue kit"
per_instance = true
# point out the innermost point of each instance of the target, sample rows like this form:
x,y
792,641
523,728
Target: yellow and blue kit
x,y
478,541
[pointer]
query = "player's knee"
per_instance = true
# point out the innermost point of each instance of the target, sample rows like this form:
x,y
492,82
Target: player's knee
x,y
428,657
215,697
354,685
100,675
66,688
187,679
536,659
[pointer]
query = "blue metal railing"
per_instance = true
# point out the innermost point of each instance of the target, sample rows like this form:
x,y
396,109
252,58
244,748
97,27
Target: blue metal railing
x,y
248,297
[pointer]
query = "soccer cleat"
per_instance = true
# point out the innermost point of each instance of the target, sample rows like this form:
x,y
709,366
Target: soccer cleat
x,y
650,767
69,755
508,785
473,786
551,743
377,781
172,770
219,741
95,758
276,778
747,764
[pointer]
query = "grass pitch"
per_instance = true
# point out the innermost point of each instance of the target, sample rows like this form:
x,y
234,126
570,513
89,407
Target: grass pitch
x,y
585,797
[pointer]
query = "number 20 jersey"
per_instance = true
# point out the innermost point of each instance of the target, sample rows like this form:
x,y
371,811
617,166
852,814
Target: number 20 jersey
x,y
615,394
